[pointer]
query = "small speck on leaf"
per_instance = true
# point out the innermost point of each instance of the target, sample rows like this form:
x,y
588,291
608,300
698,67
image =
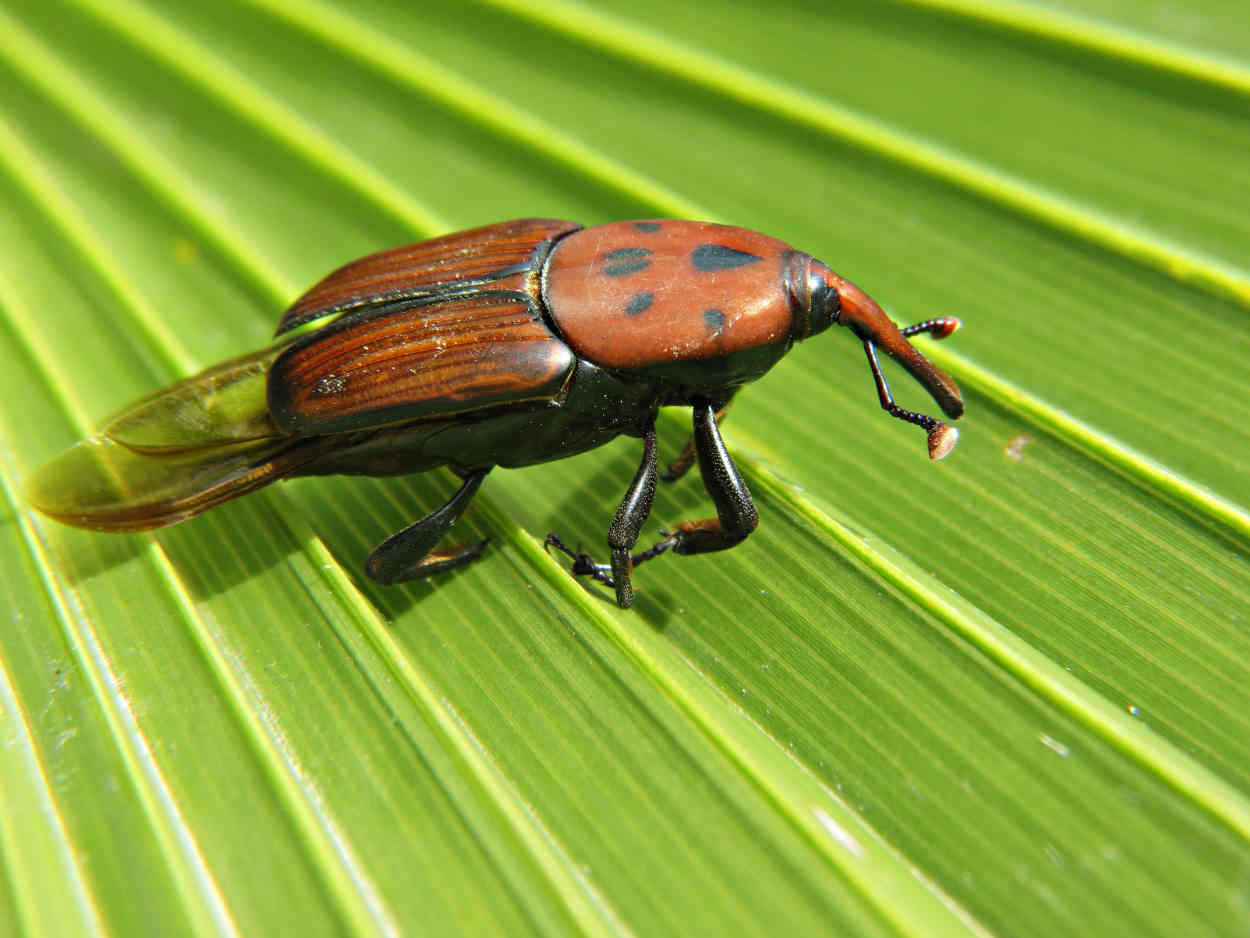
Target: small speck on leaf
x,y
1015,447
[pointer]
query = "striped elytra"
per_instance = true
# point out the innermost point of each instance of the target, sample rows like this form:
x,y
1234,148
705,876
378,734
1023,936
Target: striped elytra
x,y
479,259
423,359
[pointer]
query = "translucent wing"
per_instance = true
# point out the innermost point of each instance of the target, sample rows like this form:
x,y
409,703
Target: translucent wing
x,y
220,405
172,455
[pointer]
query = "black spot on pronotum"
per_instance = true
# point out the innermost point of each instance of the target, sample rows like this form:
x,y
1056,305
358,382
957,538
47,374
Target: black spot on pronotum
x,y
647,226
638,303
624,261
720,257
714,319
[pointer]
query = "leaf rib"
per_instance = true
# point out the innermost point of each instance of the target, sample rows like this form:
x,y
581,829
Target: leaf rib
x,y
183,55
1031,668
649,48
61,84
1216,512
1103,38
205,907
899,893
399,63
30,823
358,902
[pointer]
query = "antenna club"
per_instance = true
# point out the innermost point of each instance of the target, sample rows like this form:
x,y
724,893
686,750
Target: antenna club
x,y
942,440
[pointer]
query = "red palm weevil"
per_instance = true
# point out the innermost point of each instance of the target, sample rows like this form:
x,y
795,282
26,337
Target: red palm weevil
x,y
508,345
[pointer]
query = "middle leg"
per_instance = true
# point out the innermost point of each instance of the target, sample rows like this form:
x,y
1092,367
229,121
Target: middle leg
x,y
735,519
632,514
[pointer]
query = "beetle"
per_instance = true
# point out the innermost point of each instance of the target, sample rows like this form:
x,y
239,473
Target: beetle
x,y
507,345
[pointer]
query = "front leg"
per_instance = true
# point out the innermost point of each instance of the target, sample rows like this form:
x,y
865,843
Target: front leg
x,y
736,516
686,458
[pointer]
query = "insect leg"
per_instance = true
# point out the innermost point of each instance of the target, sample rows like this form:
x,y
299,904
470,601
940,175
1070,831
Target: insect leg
x,y
735,517
623,534
630,517
685,459
410,553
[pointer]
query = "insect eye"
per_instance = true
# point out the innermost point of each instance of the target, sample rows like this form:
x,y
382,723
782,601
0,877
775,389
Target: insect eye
x,y
814,300
823,302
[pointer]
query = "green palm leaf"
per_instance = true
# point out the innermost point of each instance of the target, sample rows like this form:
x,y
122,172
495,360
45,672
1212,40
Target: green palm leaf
x,y
1006,694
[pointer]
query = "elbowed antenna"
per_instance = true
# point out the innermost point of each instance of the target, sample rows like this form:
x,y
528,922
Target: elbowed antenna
x,y
861,314
942,437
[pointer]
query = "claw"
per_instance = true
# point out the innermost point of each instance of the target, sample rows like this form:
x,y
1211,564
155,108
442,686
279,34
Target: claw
x,y
583,563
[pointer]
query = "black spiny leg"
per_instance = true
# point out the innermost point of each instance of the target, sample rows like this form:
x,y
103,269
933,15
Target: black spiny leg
x,y
410,553
735,517
685,459
623,534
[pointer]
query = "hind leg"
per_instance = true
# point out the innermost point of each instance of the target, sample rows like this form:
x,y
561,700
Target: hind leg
x,y
410,554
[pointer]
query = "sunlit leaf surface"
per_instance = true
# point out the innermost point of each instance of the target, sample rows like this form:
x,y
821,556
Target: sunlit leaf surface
x,y
1005,694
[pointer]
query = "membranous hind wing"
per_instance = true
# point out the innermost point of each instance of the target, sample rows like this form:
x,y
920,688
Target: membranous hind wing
x,y
183,450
